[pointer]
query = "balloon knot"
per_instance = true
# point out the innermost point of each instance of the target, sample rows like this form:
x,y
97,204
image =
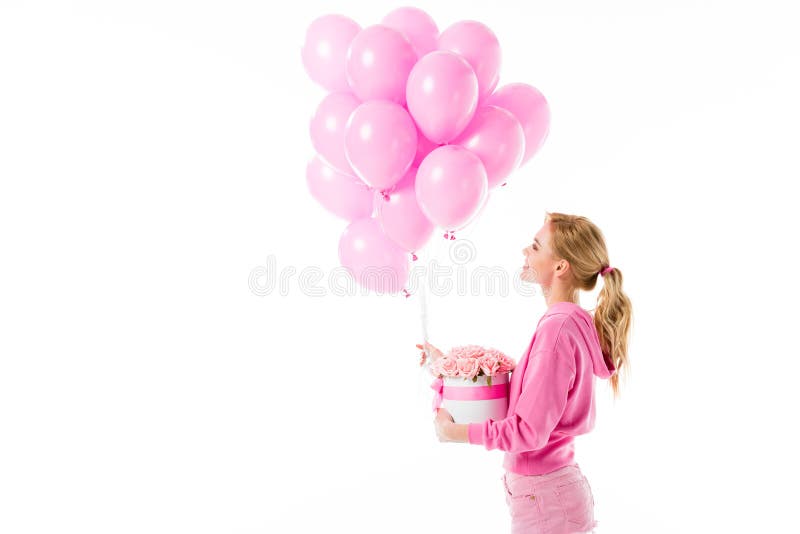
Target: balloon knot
x,y
406,293
504,184
413,257
385,195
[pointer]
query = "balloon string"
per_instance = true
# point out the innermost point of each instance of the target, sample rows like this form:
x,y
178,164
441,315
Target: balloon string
x,y
425,255
429,255
423,310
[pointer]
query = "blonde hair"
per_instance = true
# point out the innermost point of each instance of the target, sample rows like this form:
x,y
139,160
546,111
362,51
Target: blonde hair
x,y
580,242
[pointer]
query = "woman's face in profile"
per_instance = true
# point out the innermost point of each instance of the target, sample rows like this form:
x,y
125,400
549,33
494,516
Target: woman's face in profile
x,y
538,261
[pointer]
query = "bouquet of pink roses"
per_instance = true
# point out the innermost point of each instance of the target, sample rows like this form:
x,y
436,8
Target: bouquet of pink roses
x,y
464,383
472,361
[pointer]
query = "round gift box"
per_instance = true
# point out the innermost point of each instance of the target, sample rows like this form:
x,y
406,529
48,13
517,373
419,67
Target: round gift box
x,y
476,411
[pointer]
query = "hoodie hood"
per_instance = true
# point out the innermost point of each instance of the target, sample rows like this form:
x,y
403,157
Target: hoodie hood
x,y
602,365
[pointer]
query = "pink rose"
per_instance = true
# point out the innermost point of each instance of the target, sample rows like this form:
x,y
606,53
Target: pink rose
x,y
445,366
506,364
468,367
490,364
466,351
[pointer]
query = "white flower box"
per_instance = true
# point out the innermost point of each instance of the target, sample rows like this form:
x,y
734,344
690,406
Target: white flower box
x,y
475,402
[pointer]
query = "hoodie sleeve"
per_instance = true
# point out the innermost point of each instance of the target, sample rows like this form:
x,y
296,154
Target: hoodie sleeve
x,y
547,381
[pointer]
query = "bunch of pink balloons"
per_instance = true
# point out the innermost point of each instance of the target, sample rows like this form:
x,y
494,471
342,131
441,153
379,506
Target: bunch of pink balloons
x,y
413,134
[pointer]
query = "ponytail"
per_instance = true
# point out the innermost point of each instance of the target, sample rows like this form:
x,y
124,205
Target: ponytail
x,y
612,320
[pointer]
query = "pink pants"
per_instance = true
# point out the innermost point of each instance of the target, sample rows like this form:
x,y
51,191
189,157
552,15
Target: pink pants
x,y
559,502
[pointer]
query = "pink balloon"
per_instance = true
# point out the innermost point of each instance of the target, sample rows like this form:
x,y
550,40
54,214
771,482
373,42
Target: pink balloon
x,y
478,213
451,186
327,128
341,194
495,136
417,26
531,110
380,142
442,93
401,217
372,259
325,50
378,62
480,47
483,206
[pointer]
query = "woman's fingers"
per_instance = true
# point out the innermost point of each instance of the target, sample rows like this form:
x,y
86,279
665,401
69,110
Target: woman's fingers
x,y
434,352
428,349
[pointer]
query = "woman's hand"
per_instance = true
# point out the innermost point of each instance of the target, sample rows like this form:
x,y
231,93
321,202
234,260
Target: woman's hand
x,y
443,423
429,349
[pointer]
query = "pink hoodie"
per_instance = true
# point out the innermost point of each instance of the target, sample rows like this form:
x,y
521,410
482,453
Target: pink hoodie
x,y
551,394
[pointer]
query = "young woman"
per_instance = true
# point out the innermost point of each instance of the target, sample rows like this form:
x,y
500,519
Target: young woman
x,y
551,393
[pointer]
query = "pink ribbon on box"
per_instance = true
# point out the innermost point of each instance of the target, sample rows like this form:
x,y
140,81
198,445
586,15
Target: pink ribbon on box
x,y
495,391
438,386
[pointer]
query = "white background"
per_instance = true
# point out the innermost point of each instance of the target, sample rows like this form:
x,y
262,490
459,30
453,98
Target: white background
x,y
152,157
